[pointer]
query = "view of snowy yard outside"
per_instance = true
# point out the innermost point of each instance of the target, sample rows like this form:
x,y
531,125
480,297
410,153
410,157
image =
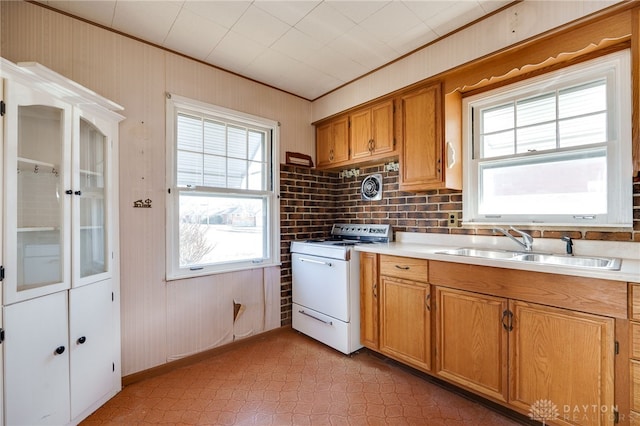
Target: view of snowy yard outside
x,y
220,229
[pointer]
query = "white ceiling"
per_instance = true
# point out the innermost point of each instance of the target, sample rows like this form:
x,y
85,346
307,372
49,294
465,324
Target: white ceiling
x,y
304,47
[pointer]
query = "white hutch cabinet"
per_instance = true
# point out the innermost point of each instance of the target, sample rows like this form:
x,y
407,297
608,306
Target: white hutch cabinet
x,y
59,255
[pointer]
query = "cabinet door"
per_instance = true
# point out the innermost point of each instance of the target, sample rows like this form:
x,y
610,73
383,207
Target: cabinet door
x,y
91,345
324,144
421,155
564,357
332,142
372,131
382,128
340,139
471,342
369,300
91,201
37,245
405,325
36,353
360,134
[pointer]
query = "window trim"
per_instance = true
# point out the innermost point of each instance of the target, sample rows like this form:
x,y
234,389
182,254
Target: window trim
x,y
175,103
619,200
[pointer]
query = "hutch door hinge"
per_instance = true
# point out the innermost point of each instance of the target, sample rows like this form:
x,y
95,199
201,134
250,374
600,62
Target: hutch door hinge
x,y
1,335
1,273
616,416
3,108
616,347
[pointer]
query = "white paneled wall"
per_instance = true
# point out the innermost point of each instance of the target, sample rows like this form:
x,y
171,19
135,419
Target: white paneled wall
x,y
515,24
160,320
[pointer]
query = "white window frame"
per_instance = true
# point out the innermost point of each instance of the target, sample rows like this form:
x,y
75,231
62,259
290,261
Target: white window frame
x,y
175,104
617,69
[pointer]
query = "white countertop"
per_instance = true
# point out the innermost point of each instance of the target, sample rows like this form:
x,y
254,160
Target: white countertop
x,y
425,246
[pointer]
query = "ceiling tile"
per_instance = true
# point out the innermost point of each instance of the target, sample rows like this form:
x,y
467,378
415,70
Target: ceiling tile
x,y
425,10
412,39
336,64
289,12
389,22
225,13
259,26
324,23
455,16
297,44
357,11
194,35
225,54
100,12
148,23
362,48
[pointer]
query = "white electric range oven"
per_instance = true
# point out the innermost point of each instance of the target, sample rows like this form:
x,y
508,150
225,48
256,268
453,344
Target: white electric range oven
x,y
326,284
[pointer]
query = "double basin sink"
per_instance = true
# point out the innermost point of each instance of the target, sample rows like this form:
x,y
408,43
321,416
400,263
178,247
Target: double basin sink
x,y
606,263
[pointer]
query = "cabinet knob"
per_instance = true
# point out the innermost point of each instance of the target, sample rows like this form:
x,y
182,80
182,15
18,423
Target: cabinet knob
x,y
59,350
81,340
68,192
78,192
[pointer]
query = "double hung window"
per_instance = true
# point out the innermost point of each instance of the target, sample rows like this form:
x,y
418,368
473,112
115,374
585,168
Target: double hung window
x,y
554,150
222,199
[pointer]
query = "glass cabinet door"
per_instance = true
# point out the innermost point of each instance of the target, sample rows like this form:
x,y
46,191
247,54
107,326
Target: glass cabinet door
x,y
91,219
37,199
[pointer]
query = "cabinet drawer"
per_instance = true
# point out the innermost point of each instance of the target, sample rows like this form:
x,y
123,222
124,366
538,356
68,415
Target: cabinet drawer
x,y
634,302
404,267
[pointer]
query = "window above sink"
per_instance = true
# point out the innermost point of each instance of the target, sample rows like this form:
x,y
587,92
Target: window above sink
x,y
552,150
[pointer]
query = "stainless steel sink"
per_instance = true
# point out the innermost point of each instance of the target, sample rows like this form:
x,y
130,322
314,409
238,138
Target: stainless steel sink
x,y
485,253
607,263
573,261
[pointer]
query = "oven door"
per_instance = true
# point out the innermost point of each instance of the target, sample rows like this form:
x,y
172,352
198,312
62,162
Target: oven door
x,y
321,284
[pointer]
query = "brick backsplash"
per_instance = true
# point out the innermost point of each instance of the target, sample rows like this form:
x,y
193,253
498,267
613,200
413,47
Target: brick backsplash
x,y
312,200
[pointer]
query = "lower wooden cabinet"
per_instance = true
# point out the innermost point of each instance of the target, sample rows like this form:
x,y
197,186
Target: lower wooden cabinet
x,y
471,342
369,300
405,321
555,364
565,357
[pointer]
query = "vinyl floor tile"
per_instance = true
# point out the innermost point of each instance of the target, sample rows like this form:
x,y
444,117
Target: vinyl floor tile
x,y
290,379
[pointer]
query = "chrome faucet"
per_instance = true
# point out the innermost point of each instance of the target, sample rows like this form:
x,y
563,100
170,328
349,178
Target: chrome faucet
x,y
527,240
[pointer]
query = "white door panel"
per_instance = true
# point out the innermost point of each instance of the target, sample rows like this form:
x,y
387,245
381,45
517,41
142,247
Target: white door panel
x,y
35,349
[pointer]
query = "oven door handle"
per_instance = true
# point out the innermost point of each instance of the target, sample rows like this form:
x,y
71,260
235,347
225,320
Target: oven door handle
x,y
316,318
319,262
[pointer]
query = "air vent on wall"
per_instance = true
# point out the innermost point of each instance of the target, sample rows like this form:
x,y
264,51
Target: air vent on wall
x,y
371,188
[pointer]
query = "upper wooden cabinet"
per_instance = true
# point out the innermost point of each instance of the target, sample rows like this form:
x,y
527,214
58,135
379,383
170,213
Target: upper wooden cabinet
x,y
332,142
429,149
371,131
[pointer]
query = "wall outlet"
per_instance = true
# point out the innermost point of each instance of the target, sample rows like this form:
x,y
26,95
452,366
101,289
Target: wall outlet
x,y
453,221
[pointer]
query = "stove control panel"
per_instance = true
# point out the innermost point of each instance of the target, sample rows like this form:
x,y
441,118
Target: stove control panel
x,y
363,231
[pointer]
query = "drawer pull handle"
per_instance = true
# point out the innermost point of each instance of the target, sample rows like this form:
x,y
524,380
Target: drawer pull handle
x,y
316,318
404,268
302,259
